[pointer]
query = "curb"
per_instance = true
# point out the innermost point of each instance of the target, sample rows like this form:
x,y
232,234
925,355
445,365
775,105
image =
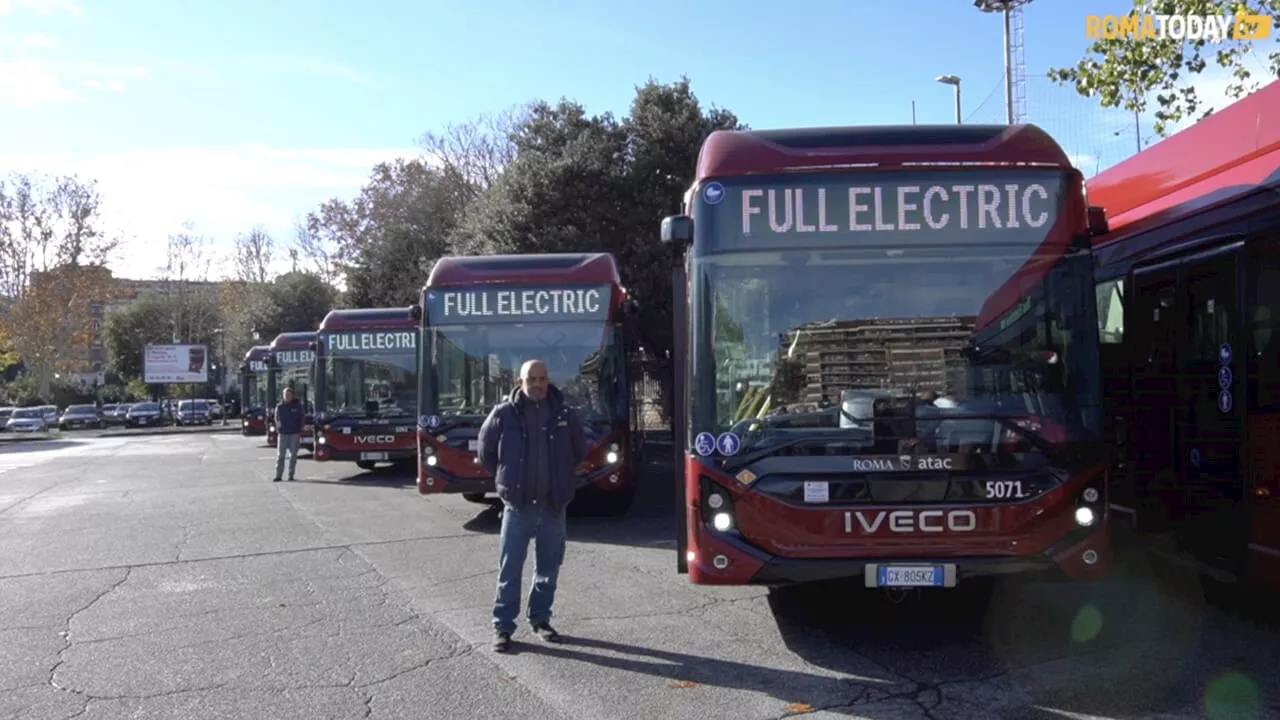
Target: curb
x,y
71,435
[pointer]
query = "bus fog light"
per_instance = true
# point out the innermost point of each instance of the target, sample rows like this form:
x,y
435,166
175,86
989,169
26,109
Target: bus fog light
x,y
1091,495
429,481
690,556
611,457
431,460
1090,557
722,521
721,562
613,478
1084,516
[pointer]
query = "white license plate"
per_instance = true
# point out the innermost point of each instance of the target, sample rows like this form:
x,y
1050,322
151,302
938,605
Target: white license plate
x,y
373,456
911,576
473,445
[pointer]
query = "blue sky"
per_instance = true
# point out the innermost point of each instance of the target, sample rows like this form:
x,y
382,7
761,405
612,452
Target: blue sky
x,y
236,113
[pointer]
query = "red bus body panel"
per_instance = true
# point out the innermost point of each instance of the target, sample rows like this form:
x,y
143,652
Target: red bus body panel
x,y
773,542
340,433
1225,169
458,470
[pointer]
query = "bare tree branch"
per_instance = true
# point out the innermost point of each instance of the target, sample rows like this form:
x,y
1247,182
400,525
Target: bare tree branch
x,y
475,151
254,252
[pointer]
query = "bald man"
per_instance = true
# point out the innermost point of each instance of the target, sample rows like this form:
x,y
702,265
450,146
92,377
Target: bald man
x,y
532,443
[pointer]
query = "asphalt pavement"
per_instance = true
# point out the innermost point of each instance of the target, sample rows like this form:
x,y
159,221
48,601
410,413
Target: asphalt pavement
x,y
167,577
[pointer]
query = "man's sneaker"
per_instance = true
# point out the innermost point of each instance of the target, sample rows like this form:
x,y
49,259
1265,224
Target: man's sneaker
x,y
501,641
276,479
546,632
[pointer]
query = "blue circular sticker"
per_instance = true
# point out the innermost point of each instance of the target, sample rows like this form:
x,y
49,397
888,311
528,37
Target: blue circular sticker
x,y
1224,377
704,444
1224,353
1225,401
728,443
713,193
1195,456
430,420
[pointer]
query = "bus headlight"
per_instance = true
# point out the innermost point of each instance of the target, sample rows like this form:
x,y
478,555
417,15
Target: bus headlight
x,y
1085,516
611,457
320,439
722,521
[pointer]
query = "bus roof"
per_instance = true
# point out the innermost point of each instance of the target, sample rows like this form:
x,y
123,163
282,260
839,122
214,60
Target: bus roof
x,y
369,319
585,268
257,352
293,341
1228,156
756,152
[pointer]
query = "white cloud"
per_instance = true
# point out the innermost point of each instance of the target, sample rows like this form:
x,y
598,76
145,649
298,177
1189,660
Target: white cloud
x,y
317,67
149,194
30,77
39,7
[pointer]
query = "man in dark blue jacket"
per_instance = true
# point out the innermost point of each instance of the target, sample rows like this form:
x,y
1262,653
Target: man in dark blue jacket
x,y
288,432
532,443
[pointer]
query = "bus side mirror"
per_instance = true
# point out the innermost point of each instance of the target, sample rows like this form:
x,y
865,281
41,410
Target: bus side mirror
x,y
415,312
312,345
244,367
677,230
1098,224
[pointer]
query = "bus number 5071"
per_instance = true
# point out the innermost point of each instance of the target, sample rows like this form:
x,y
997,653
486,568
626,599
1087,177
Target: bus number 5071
x,y
1004,490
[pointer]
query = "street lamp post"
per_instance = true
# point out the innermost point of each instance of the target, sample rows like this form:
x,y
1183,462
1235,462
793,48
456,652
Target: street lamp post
x,y
222,372
954,82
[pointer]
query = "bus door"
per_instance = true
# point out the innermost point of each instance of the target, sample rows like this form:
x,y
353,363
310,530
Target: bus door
x,y
1154,317
1214,502
1262,423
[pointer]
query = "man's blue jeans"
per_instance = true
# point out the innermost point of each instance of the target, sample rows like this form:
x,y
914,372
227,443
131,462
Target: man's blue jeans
x,y
546,528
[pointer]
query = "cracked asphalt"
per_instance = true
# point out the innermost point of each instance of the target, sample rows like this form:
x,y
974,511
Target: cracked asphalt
x,y
167,577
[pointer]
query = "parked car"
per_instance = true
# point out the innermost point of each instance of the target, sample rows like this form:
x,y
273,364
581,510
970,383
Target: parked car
x,y
147,414
5,412
81,417
117,414
193,412
32,419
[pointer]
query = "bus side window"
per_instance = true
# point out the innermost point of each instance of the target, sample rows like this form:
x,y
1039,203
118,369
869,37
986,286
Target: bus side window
x,y
1263,317
1110,295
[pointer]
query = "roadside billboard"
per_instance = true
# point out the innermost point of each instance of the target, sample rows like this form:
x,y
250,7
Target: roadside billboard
x,y
175,364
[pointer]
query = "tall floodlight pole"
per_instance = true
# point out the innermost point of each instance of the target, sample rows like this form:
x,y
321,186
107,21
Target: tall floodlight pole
x,y
954,82
1013,62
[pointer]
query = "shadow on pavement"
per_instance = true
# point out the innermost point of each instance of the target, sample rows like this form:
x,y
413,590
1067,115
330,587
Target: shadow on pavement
x,y
1133,645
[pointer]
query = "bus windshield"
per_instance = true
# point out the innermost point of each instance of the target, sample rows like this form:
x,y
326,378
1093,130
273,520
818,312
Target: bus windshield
x,y
256,390
475,366
297,377
371,384
800,341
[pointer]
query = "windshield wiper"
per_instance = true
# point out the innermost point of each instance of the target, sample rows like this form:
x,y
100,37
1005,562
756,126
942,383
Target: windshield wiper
x,y
836,438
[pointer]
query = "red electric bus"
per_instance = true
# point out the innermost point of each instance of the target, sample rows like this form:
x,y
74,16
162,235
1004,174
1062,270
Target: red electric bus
x,y
289,363
253,391
366,386
1189,300
482,318
886,359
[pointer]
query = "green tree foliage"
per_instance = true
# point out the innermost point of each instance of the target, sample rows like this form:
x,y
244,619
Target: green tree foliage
x,y
150,320
297,302
1125,70
594,183
389,235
